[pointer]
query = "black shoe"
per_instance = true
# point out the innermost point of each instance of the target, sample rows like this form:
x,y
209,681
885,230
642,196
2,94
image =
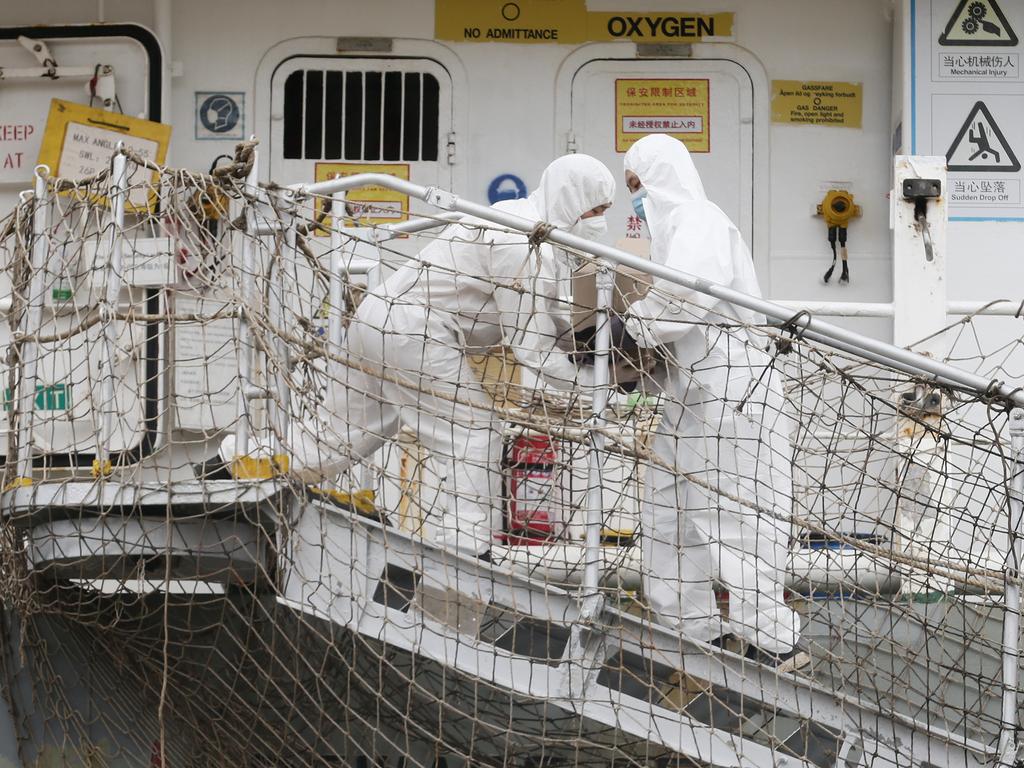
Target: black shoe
x,y
485,556
213,469
784,662
721,640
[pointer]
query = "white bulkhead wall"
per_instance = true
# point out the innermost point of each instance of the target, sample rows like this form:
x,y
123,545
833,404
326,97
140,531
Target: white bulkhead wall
x,y
506,106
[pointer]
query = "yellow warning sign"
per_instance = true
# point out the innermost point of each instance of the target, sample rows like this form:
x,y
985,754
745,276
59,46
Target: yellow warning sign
x,y
978,23
677,107
569,22
817,103
658,27
369,206
78,142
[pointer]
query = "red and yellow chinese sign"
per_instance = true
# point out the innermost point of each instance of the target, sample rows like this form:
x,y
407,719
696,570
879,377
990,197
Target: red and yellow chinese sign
x,y
677,107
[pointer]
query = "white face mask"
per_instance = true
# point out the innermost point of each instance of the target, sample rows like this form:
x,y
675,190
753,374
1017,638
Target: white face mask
x,y
592,228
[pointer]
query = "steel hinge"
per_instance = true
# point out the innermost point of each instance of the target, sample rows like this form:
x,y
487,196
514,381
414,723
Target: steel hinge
x,y
451,148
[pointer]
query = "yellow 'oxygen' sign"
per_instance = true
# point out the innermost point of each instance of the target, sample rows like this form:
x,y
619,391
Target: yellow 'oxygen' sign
x,y
569,22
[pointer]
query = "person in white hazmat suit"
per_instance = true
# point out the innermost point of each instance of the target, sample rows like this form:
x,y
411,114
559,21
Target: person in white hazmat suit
x,y
722,422
409,341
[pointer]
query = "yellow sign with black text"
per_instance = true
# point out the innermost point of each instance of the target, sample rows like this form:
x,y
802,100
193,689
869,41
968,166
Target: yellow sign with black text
x,y
680,108
78,142
838,105
569,22
369,206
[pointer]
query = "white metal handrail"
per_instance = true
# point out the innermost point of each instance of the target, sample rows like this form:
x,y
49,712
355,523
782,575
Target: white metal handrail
x,y
802,322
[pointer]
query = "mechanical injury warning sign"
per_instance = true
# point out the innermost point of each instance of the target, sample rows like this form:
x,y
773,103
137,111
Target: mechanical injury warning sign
x,y
969,102
978,22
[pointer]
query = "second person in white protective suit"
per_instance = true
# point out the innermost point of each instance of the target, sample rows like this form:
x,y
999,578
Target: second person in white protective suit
x,y
722,422
408,345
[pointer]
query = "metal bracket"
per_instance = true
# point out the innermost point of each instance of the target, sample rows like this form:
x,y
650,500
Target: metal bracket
x,y
920,191
921,401
1017,422
41,51
451,148
102,86
442,198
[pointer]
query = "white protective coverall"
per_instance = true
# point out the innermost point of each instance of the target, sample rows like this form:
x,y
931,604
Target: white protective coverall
x,y
408,343
691,534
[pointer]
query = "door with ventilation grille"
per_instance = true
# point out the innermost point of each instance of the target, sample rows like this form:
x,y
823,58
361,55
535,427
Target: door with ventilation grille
x,y
334,115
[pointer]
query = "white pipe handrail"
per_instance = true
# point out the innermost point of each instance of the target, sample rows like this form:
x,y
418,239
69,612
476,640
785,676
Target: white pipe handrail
x,y
998,307
802,322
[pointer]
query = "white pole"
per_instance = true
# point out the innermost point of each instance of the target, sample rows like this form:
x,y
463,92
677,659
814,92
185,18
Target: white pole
x,y
337,281
101,466
1011,597
280,400
33,319
605,280
248,297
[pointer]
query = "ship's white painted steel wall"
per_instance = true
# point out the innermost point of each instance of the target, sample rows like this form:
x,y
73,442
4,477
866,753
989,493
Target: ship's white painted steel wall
x,y
509,101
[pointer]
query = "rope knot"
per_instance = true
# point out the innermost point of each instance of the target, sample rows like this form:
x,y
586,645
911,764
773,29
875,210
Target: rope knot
x,y
539,234
239,167
796,332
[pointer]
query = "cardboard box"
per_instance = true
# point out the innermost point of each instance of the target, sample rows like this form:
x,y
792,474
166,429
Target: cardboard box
x,y
630,285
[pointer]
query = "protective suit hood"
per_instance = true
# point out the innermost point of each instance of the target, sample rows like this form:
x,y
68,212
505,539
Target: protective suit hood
x,y
569,187
667,172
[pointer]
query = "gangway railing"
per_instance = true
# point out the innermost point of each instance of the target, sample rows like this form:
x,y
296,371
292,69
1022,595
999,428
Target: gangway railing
x,y
798,319
800,323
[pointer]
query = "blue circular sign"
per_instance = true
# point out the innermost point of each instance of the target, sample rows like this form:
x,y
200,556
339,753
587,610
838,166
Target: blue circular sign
x,y
505,187
219,113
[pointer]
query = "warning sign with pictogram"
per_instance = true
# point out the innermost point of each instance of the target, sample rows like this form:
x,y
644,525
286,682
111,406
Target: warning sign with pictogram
x,y
977,23
968,102
980,145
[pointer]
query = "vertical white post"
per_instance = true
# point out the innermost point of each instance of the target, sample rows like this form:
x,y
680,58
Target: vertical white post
x,y
31,321
605,279
918,279
248,298
919,304
590,596
101,466
337,282
279,404
1011,597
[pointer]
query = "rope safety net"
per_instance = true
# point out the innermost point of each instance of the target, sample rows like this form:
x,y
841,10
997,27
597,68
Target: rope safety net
x,y
389,561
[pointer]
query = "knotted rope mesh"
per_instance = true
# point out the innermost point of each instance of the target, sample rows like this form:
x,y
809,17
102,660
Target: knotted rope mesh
x,y
311,591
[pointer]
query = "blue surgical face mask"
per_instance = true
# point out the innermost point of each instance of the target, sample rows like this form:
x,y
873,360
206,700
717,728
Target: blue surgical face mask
x,y
638,203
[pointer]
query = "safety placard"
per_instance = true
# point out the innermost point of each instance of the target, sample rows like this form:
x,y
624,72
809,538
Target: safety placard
x,y
978,23
980,145
678,107
220,115
369,206
969,102
19,145
78,142
569,22
659,26
838,105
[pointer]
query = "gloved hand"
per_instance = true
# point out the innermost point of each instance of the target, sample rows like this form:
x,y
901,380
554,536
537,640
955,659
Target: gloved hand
x,y
621,341
633,367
